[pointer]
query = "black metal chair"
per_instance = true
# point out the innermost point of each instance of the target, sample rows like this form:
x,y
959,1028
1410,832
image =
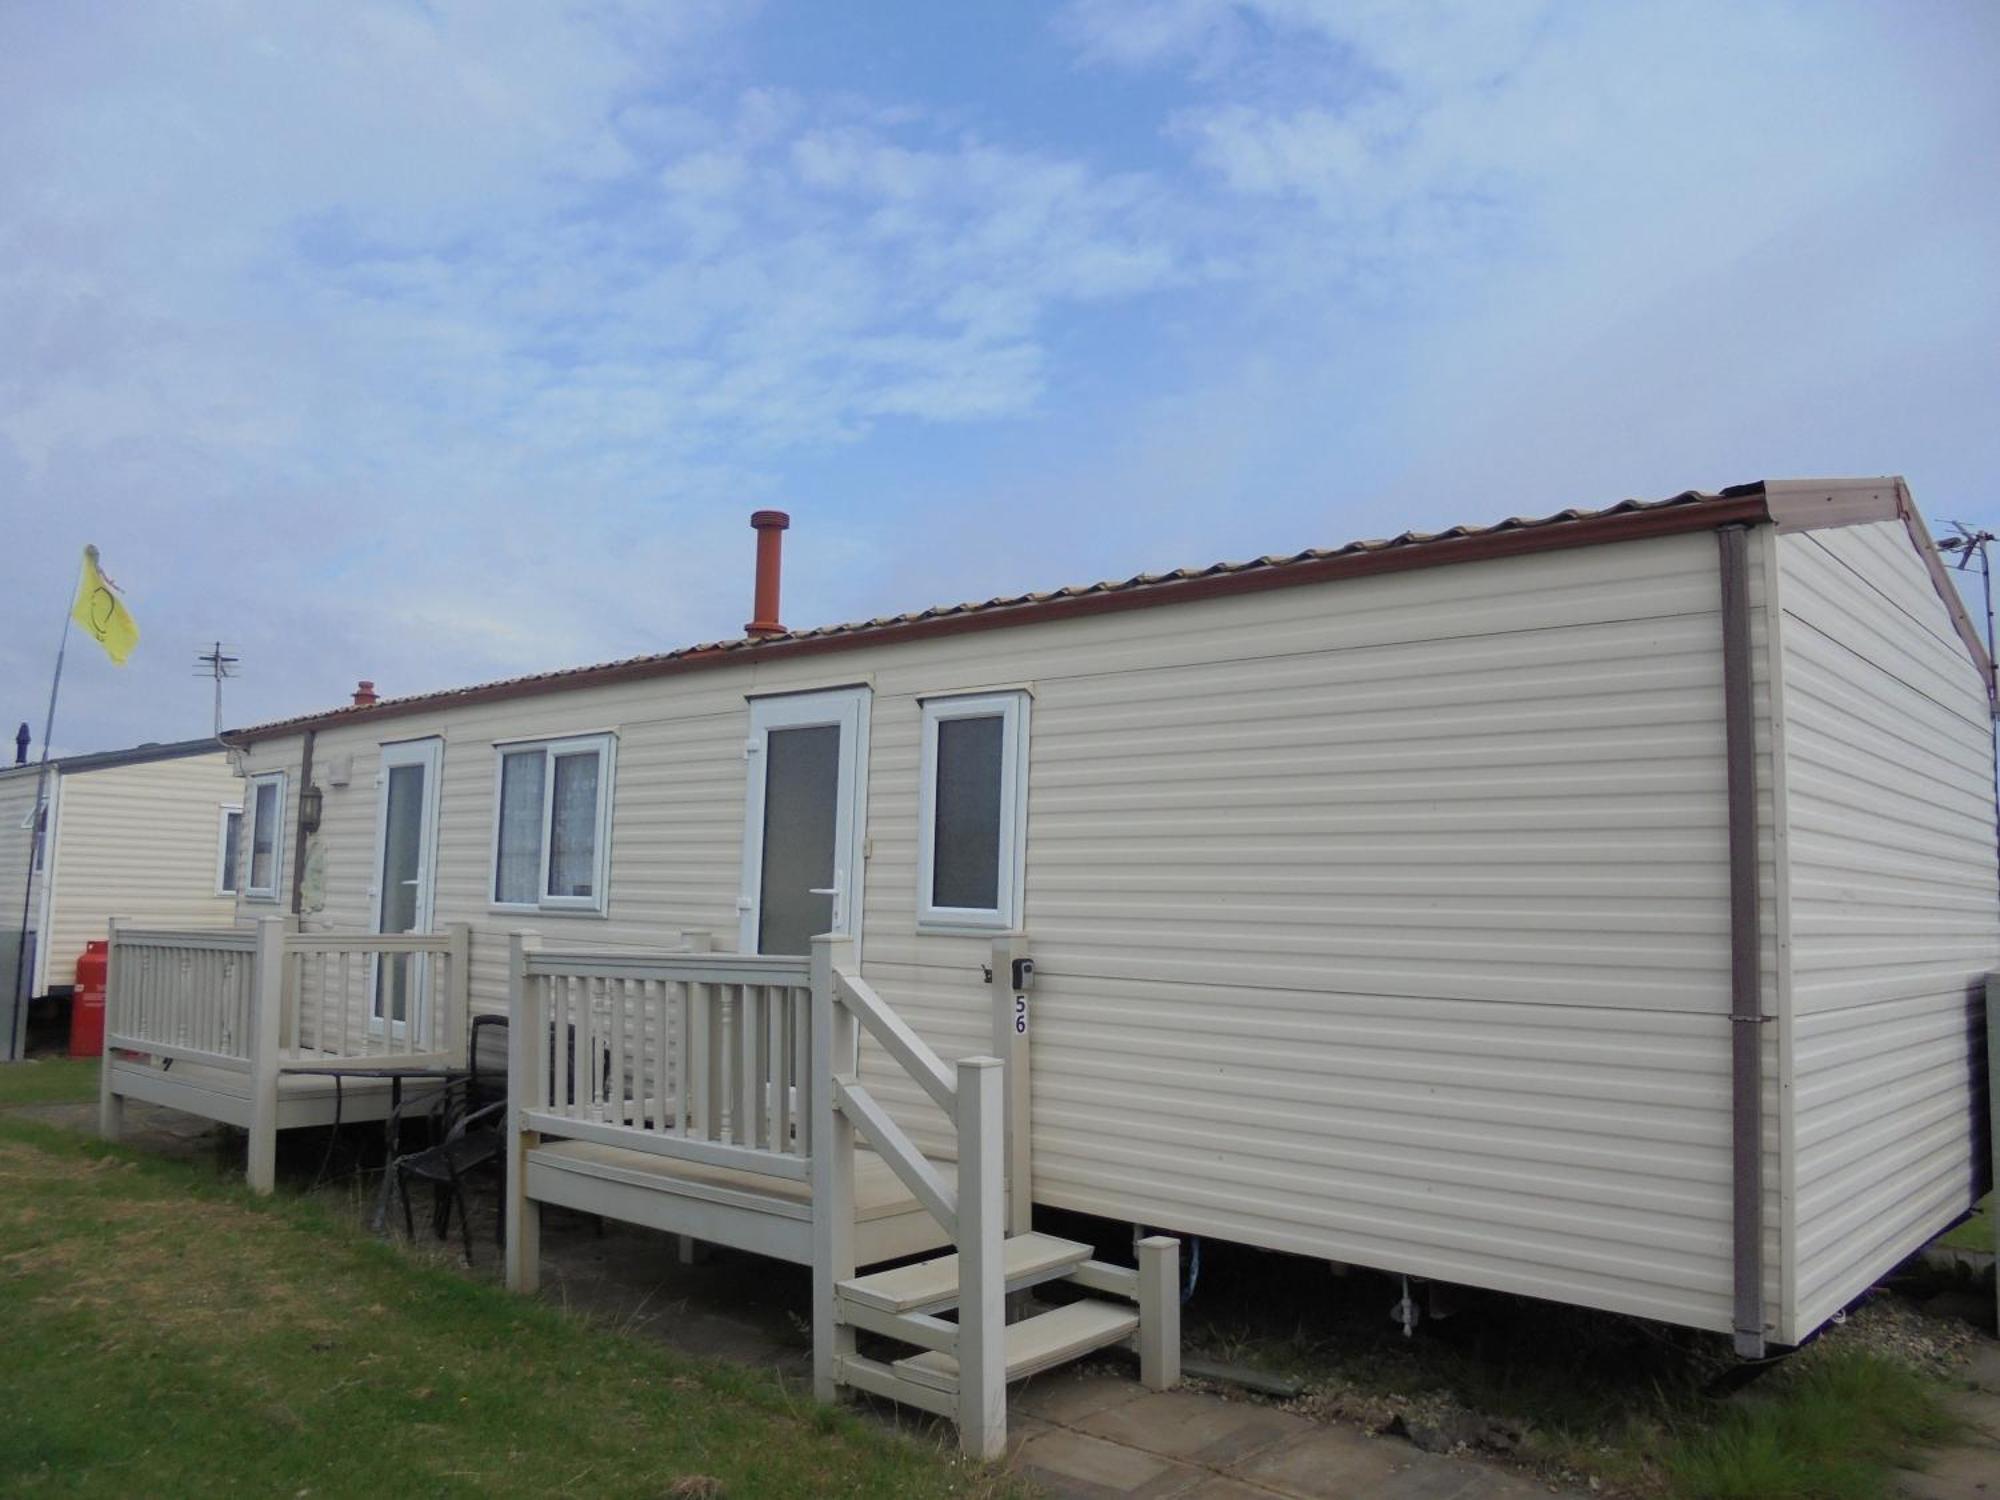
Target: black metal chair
x,y
466,1140
466,1120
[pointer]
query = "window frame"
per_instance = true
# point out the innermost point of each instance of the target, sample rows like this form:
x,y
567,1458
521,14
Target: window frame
x,y
223,843
597,904
35,823
248,871
1012,708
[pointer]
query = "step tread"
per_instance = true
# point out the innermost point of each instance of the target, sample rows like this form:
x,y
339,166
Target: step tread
x,y
931,1284
1036,1344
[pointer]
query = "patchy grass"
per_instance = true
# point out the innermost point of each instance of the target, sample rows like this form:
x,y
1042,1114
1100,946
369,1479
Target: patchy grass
x,y
164,1334
1584,1399
48,1080
1835,1427
1976,1233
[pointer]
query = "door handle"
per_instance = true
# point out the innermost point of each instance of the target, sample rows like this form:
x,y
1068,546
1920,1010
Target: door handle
x,y
838,890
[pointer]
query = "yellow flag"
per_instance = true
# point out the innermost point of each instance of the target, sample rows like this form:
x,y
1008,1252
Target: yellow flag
x,y
99,610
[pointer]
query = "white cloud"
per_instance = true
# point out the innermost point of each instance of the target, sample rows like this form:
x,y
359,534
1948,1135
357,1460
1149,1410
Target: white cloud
x,y
433,342
1638,246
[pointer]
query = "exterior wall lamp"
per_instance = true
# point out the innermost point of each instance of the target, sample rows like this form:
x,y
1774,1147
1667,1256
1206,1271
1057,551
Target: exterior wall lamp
x,y
311,803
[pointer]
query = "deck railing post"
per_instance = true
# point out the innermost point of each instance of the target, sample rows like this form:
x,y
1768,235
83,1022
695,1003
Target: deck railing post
x,y
1159,1312
1010,1045
266,1026
458,999
110,1105
523,1215
982,1281
833,1039
687,1249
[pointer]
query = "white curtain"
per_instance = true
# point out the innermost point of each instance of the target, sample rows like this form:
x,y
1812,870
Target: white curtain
x,y
520,859
573,829
264,837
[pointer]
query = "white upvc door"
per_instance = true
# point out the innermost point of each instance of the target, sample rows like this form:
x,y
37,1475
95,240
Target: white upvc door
x,y
804,818
405,872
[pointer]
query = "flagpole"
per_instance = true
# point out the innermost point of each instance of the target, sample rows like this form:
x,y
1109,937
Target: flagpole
x,y
17,1038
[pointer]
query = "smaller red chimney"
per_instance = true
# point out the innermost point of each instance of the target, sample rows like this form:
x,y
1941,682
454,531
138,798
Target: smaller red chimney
x,y
771,526
365,694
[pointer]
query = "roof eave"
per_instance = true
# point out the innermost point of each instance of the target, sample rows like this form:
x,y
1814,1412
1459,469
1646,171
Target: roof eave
x,y
1741,504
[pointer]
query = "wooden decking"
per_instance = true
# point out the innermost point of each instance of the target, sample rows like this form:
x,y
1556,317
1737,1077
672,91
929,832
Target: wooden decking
x,y
718,1097
225,1094
241,1024
713,1096
726,1206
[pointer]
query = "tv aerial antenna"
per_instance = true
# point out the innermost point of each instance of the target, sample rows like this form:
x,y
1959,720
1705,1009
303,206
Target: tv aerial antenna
x,y
219,662
1967,542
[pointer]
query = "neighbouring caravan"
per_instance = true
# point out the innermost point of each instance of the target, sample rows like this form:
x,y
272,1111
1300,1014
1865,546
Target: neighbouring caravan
x,y
145,832
1592,907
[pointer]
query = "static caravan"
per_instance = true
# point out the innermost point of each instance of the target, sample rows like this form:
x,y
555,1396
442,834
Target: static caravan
x,y
1594,907
147,832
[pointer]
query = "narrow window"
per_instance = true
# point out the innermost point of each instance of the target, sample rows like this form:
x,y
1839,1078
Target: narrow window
x,y
36,819
230,843
267,834
972,815
517,865
551,825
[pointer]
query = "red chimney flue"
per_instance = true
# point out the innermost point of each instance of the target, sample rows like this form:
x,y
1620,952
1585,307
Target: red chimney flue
x,y
365,694
771,526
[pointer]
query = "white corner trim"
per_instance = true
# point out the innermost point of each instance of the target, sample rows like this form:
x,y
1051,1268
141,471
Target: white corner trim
x,y
1814,504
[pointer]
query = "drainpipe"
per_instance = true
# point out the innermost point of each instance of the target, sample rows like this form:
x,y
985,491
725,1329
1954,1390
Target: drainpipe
x,y
1746,991
299,832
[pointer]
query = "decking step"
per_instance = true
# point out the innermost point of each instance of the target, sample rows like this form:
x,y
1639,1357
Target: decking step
x,y
928,1285
1035,1344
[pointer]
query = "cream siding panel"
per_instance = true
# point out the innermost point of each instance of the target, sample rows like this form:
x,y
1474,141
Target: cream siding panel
x,y
17,800
137,841
1895,915
1384,921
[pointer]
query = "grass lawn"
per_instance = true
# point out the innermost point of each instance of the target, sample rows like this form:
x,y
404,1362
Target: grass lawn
x,y
1976,1233
48,1080
1833,1429
165,1334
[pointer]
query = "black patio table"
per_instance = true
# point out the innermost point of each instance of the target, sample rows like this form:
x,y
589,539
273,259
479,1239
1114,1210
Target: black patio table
x,y
396,1076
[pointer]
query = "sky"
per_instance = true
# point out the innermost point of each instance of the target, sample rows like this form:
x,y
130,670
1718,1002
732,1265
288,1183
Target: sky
x,y
435,342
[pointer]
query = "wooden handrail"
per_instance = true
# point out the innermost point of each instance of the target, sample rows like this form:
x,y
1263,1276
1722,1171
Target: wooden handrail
x,y
900,1152
212,939
694,967
896,1037
973,1213
367,942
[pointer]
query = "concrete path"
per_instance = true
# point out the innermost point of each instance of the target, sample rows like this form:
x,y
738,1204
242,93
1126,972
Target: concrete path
x,y
1092,1435
1970,1468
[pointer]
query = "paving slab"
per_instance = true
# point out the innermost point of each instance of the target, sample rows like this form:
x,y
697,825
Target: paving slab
x,y
1073,1465
1955,1474
1984,1370
1980,1412
1328,1463
1222,1487
1020,1431
1070,1396
1199,1428
1429,1477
